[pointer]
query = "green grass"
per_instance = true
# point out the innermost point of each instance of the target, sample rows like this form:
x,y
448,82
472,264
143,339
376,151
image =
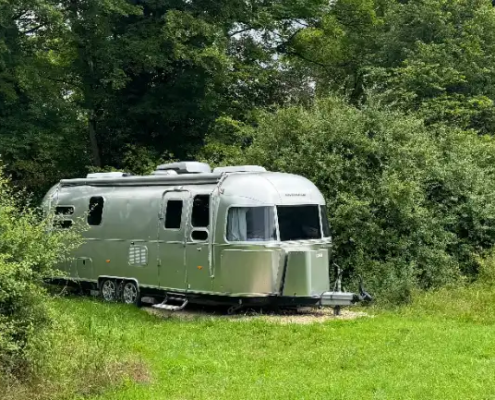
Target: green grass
x,y
442,347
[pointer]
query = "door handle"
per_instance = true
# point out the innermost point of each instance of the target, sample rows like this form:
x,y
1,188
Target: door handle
x,y
199,248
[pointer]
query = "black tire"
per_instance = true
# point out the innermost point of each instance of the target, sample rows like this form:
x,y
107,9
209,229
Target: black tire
x,y
131,293
108,290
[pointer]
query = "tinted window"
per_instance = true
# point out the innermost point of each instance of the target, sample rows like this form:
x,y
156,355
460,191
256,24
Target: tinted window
x,y
252,224
64,210
199,235
324,222
63,224
299,222
173,216
201,211
95,210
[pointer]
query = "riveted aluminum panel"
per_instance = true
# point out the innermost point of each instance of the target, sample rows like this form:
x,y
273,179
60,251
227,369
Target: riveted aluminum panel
x,y
249,271
307,273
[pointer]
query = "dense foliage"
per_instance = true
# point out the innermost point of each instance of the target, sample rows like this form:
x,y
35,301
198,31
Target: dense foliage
x,y
27,256
387,105
409,206
405,161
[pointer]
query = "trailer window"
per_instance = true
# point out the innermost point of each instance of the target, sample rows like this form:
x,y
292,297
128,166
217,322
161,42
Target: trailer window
x,y
63,224
299,222
324,222
64,210
200,217
251,224
95,210
199,236
173,216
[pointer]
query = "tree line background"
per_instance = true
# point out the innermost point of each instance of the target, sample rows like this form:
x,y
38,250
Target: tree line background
x,y
387,105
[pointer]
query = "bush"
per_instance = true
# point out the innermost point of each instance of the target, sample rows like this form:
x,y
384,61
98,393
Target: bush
x,y
410,206
28,253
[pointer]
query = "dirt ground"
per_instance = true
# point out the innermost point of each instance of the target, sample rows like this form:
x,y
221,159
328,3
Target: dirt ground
x,y
300,316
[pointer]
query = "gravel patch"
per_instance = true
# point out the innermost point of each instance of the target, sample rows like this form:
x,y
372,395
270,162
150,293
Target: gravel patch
x,y
300,316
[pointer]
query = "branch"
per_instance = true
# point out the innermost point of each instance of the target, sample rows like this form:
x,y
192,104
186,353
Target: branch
x,y
32,30
240,31
303,57
306,24
291,37
17,16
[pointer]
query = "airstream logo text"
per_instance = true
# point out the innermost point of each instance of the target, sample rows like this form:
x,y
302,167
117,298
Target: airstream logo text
x,y
296,194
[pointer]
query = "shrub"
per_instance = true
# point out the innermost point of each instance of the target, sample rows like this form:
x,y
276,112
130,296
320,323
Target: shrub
x,y
410,206
29,251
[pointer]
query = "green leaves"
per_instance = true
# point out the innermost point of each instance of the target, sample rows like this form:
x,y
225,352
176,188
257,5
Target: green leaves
x,y
409,205
28,254
440,56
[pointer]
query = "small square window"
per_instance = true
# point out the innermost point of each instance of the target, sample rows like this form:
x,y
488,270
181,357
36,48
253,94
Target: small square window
x,y
95,210
173,215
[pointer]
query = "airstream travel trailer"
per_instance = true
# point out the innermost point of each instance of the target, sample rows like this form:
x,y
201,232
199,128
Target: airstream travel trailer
x,y
236,235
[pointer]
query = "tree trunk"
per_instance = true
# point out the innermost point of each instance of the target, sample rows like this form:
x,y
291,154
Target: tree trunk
x,y
95,150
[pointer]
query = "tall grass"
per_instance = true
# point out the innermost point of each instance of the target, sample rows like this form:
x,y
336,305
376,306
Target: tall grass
x,y
439,347
74,358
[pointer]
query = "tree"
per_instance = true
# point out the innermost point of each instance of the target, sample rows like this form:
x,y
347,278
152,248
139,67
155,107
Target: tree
x,y
410,206
38,124
438,58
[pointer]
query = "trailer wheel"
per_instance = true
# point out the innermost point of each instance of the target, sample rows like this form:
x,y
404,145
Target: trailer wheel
x,y
108,290
130,293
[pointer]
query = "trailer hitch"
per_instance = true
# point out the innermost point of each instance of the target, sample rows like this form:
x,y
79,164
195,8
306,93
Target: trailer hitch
x,y
363,295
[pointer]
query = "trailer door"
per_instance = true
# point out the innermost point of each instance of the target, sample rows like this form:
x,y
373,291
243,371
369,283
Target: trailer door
x,y
198,245
171,240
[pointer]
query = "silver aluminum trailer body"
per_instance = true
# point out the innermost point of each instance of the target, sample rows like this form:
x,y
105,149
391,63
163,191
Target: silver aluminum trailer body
x,y
250,237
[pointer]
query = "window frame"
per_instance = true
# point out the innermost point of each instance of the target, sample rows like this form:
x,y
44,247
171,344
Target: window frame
x,y
181,216
65,206
102,210
61,218
323,210
314,240
192,240
192,211
58,224
251,243
193,228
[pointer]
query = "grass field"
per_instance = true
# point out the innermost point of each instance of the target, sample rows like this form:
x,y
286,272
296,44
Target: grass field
x,y
442,347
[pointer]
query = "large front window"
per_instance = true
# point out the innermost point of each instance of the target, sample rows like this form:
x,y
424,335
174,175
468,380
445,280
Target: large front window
x,y
251,224
295,222
299,222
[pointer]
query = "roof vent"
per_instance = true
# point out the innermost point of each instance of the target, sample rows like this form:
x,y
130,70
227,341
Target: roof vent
x,y
186,167
240,168
107,175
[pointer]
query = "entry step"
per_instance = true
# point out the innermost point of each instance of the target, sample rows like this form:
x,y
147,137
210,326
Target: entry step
x,y
170,307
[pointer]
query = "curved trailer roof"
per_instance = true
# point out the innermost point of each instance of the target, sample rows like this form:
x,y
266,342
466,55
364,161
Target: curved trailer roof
x,y
189,179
